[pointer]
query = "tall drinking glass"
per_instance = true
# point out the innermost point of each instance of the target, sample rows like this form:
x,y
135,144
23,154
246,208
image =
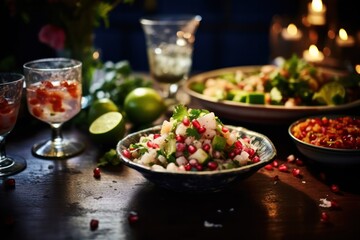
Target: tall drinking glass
x,y
11,87
169,41
53,93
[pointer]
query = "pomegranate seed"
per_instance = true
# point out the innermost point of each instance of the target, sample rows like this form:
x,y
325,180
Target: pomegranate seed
x,y
199,167
299,162
324,217
191,149
275,163
334,204
10,183
231,154
186,121
201,129
335,188
126,153
97,173
296,172
256,159
180,138
156,135
180,147
238,145
224,129
133,217
268,167
196,124
212,165
94,224
283,168
206,147
187,167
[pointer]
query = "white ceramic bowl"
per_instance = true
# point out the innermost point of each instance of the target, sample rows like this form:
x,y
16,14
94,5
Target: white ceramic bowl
x,y
197,182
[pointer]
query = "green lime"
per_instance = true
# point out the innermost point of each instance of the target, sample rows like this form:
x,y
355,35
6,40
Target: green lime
x,y
109,128
99,107
144,105
331,93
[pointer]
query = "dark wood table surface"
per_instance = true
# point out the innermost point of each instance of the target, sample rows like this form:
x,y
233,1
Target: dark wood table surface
x,y
57,199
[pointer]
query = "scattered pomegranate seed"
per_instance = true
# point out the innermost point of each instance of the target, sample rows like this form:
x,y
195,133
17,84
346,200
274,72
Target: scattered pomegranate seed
x,y
97,173
133,217
188,167
324,217
299,162
94,224
296,172
196,124
283,168
10,183
212,165
335,188
180,138
156,135
269,167
199,167
275,163
256,159
334,204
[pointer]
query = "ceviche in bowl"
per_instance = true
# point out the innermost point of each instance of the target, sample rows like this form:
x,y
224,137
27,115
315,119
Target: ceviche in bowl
x,y
328,139
194,151
275,93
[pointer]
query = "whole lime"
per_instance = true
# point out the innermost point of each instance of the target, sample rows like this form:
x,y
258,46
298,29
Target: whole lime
x,y
144,105
99,107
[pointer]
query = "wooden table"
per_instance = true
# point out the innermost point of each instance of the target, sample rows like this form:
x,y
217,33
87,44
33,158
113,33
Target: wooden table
x,y
57,199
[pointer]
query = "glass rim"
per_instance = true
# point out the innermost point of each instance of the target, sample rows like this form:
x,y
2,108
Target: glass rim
x,y
15,77
169,19
76,63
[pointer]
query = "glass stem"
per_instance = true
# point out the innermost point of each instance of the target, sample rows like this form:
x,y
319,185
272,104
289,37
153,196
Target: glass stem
x,y
2,149
56,133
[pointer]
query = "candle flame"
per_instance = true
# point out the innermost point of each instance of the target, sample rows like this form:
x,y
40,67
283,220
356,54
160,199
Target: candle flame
x,y
317,5
292,29
343,34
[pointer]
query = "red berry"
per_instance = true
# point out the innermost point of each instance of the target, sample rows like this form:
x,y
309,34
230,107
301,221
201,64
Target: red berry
x,y
97,173
133,217
94,224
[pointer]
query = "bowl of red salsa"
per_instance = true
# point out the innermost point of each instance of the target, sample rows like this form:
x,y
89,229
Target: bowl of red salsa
x,y
328,139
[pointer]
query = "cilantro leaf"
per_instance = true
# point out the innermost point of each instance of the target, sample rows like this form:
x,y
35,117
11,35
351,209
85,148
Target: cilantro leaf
x,y
191,132
180,111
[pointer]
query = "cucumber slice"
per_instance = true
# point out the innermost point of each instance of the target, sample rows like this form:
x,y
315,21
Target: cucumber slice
x,y
200,155
256,98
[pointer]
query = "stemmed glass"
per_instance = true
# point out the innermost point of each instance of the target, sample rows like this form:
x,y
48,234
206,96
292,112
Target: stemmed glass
x,y
11,87
53,87
169,41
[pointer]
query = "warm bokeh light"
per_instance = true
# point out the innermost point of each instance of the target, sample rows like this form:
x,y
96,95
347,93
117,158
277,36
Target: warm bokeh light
x,y
292,29
317,5
343,34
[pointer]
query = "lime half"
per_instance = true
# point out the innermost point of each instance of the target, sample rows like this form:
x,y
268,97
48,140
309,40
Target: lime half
x,y
108,129
331,93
